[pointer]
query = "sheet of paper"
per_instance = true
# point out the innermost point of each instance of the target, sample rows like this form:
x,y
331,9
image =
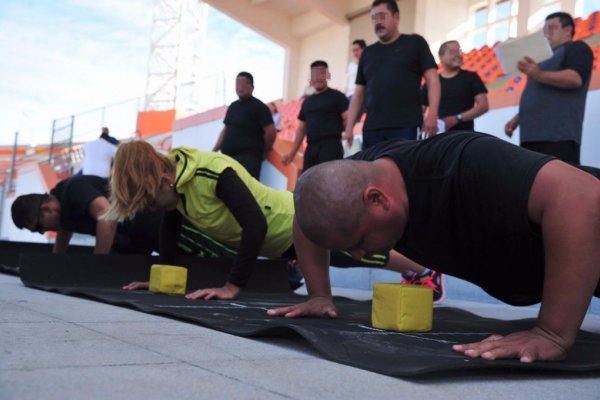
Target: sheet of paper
x,y
534,46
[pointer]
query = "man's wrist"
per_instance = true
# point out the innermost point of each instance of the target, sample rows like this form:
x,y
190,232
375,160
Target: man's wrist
x,y
233,287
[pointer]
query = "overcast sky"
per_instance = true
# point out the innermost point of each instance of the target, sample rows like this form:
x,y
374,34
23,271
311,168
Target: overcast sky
x,y
64,57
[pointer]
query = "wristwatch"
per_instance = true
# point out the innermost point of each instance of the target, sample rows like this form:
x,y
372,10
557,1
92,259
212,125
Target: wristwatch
x,y
459,117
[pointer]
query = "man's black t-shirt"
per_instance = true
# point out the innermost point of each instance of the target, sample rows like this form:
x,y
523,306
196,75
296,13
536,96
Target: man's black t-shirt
x,y
75,194
322,113
468,215
392,75
458,95
245,122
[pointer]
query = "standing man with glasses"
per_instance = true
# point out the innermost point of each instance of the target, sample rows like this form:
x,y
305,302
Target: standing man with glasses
x,y
553,101
464,96
389,81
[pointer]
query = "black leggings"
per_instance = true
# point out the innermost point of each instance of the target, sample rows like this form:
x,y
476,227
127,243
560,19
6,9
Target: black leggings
x,y
193,241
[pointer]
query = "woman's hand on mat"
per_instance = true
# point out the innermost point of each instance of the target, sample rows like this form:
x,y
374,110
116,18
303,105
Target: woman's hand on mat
x,y
527,346
315,307
137,285
229,291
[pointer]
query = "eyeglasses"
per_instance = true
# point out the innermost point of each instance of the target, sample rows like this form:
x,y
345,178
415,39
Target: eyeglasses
x,y
455,52
380,16
552,28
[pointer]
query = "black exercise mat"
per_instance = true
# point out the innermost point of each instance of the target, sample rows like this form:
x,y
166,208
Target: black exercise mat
x,y
10,252
349,339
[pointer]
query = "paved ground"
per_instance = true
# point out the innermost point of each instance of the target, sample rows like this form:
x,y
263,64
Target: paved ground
x,y
59,347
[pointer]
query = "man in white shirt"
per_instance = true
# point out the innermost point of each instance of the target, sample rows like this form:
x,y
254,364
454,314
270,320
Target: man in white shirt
x,y
357,47
98,155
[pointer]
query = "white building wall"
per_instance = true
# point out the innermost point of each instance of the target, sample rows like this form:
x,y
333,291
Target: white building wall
x,y
330,45
203,137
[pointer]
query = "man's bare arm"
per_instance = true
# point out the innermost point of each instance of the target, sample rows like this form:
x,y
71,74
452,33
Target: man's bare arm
x,y
563,79
105,230
269,136
434,93
566,203
300,133
62,241
511,125
353,110
217,145
314,262
345,118
480,107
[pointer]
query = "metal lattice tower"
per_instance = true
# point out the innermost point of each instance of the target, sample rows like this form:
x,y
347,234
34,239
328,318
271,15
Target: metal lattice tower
x,y
174,64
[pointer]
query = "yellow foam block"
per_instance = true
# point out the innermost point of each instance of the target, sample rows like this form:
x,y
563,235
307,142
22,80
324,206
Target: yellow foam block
x,y
402,307
168,279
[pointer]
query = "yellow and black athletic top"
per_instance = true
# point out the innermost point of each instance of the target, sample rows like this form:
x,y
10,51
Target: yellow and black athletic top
x,y
220,198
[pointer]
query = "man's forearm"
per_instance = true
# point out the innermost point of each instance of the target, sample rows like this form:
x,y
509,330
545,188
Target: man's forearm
x,y
217,145
570,220
314,262
354,109
62,242
105,234
434,91
297,141
565,79
433,98
269,138
476,111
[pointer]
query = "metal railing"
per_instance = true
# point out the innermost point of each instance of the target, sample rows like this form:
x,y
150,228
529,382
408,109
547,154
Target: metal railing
x,y
71,132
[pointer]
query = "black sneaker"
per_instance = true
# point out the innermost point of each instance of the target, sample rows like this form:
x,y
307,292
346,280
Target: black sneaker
x,y
295,278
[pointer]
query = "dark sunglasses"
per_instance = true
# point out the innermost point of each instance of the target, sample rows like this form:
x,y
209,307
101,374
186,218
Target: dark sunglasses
x,y
38,225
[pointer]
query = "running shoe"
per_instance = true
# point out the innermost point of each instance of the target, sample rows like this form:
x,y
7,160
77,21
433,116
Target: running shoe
x,y
295,278
432,279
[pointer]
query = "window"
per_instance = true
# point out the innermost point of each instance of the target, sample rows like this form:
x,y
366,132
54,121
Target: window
x,y
589,6
500,33
481,17
502,10
479,39
495,23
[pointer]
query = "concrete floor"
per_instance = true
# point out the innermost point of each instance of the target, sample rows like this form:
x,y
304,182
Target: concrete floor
x,y
59,347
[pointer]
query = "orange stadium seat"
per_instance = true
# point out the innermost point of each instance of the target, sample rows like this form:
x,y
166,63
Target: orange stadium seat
x,y
596,65
289,120
594,22
515,84
580,29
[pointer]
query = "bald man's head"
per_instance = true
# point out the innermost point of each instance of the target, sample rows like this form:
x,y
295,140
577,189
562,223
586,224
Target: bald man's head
x,y
329,199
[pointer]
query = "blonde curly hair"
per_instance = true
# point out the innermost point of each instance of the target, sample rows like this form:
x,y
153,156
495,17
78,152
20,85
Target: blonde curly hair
x,y
138,170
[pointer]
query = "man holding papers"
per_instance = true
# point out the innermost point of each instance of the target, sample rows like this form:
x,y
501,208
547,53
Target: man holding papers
x,y
553,101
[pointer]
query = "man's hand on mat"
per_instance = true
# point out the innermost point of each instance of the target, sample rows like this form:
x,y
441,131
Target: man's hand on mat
x,y
315,307
528,346
136,285
229,291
